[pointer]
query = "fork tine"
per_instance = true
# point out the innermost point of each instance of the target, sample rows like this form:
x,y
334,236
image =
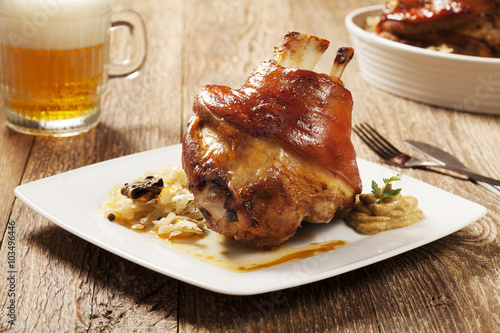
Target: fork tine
x,y
369,142
387,143
376,141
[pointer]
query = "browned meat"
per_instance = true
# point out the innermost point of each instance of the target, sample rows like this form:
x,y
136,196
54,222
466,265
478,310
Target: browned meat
x,y
470,27
263,158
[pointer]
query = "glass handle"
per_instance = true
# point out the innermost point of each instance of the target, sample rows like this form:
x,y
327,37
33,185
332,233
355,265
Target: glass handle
x,y
133,21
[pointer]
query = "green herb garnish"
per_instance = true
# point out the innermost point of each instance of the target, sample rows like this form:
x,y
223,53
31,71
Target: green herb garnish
x,y
386,191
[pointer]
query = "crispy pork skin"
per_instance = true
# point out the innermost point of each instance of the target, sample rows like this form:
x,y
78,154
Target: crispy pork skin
x,y
470,27
262,159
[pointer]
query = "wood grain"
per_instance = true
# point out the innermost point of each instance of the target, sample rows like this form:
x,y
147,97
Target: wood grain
x,y
65,284
14,151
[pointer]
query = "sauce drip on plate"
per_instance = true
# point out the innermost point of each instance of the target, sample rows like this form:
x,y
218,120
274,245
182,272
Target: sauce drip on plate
x,y
231,255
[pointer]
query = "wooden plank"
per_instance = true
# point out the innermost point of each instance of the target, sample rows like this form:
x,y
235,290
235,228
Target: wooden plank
x,y
234,46
376,107
141,114
225,40
64,283
144,112
50,263
67,284
14,151
336,304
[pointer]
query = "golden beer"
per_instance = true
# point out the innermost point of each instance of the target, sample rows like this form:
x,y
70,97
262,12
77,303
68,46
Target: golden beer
x,y
51,85
53,64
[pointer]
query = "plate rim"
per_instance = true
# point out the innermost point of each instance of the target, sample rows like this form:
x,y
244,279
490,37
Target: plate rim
x,y
20,192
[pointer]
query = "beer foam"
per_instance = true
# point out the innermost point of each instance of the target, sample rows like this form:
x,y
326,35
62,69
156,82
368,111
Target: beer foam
x,y
54,24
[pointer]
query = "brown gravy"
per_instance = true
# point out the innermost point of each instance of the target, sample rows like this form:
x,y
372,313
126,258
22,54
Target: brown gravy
x,y
231,255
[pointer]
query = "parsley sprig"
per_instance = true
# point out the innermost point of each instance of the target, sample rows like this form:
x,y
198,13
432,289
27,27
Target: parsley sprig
x,y
386,191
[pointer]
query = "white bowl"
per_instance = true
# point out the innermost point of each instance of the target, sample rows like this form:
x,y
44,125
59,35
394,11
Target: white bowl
x,y
453,81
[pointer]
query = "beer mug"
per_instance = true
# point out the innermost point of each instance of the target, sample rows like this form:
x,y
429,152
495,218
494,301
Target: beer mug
x,y
54,62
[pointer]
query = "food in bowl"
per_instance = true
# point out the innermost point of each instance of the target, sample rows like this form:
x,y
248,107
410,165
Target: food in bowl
x,y
448,80
262,159
467,27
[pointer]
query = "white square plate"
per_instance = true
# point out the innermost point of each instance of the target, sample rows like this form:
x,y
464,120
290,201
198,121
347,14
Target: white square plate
x,y
72,201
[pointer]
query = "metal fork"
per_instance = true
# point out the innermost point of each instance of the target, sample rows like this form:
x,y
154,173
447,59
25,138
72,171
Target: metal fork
x,y
391,155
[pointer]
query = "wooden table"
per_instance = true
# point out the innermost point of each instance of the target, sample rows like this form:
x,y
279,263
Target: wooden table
x,y
67,284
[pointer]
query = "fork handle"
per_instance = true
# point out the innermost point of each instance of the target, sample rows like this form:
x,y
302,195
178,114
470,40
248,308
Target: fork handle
x,y
469,173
